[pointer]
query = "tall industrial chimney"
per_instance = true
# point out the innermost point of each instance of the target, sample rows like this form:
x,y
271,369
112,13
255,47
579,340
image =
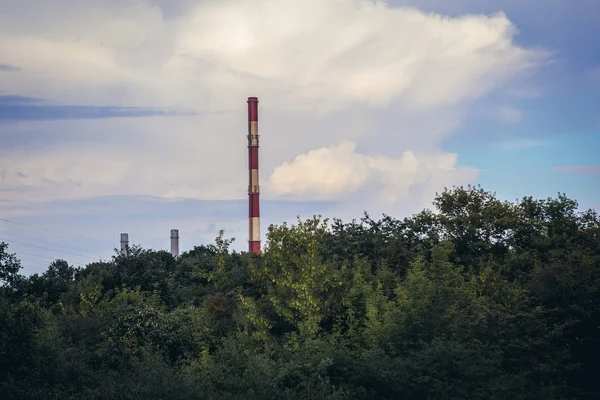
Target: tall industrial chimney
x,y
253,187
174,242
124,241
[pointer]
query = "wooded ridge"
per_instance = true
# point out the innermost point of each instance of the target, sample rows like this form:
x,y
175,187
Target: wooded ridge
x,y
477,299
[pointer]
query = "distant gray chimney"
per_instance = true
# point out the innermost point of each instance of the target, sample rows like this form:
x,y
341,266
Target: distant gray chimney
x,y
124,240
174,242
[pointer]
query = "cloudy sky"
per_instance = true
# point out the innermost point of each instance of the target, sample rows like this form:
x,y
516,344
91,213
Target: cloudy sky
x,y
130,116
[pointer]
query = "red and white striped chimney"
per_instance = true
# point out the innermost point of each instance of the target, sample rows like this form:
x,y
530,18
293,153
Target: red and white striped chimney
x,y
253,187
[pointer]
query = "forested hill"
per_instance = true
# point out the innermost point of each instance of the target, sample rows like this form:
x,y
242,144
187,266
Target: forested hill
x,y
479,299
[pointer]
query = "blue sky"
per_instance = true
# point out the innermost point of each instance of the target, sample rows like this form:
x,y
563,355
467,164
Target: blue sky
x,y
131,117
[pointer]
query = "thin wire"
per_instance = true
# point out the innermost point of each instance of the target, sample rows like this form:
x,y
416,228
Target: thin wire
x,y
36,270
37,262
36,255
54,244
46,248
26,263
33,260
54,231
44,259
45,264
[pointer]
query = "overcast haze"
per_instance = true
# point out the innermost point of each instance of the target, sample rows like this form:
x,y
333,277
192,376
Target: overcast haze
x,y
130,116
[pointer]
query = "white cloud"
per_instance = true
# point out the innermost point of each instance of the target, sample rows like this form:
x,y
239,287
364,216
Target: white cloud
x,y
323,172
159,165
326,71
340,171
342,52
334,51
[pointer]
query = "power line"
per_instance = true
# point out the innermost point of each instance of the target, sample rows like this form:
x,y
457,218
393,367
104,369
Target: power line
x,y
35,270
55,231
38,262
44,264
38,265
46,248
54,244
36,255
45,259
50,260
41,261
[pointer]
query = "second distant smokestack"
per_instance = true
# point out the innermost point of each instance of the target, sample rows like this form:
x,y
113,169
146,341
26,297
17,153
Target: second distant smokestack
x,y
124,240
174,242
253,186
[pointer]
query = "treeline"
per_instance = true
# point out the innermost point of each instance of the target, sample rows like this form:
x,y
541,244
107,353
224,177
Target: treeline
x,y
478,299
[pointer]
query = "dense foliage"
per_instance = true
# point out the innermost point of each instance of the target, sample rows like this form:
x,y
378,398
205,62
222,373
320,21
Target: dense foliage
x,y
478,299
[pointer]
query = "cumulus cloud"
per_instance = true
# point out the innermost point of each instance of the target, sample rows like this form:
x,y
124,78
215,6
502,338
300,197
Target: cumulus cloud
x,y
325,171
342,52
340,170
391,80
338,52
